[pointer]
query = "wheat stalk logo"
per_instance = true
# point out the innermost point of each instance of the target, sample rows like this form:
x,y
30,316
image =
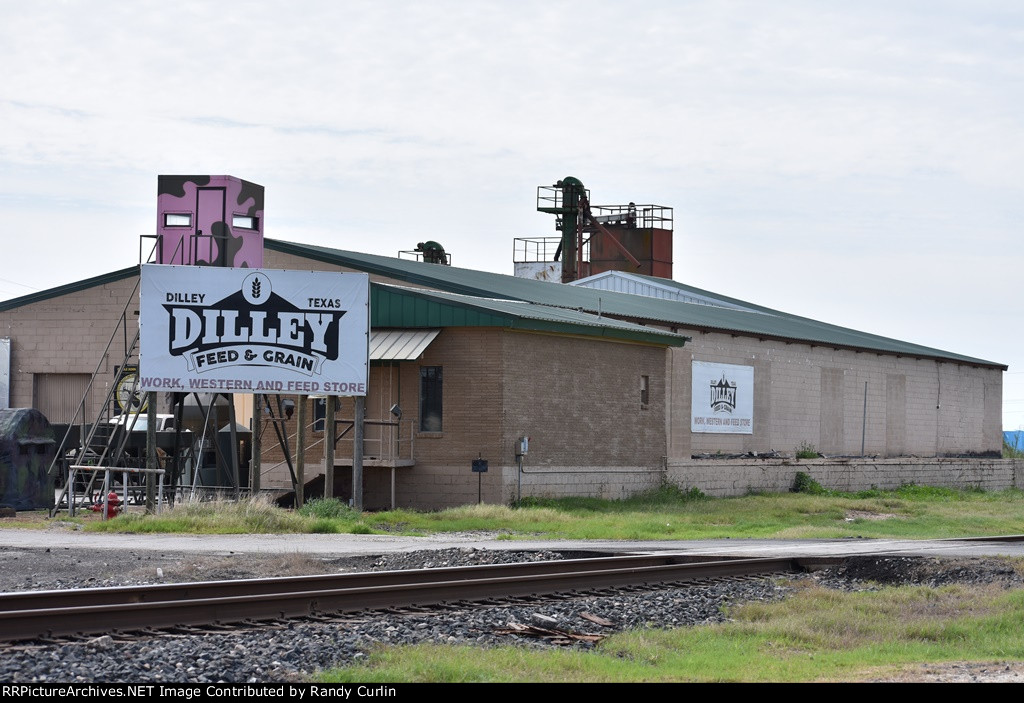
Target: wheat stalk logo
x,y
256,288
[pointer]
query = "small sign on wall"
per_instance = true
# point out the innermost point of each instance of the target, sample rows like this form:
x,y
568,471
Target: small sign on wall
x,y
722,399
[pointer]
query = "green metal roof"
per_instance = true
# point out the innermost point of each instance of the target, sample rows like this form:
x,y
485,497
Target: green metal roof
x,y
49,293
764,323
396,306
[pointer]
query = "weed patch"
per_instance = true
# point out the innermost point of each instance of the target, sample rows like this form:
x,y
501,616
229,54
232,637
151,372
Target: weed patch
x,y
803,483
329,508
806,450
816,635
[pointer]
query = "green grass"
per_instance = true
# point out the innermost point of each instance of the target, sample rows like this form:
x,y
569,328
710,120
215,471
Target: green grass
x,y
255,516
1011,452
816,635
910,512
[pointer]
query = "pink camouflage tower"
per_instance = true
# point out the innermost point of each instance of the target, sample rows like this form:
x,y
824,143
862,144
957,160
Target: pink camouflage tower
x,y
209,221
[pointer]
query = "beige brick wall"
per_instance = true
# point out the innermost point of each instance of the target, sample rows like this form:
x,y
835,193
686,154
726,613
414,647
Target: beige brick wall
x,y
721,478
563,392
584,482
815,394
471,359
578,400
68,334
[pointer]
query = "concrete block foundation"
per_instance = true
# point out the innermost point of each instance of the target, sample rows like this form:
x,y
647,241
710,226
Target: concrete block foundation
x,y
727,477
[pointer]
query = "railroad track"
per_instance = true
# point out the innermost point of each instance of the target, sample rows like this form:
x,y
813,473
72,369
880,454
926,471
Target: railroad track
x,y
33,615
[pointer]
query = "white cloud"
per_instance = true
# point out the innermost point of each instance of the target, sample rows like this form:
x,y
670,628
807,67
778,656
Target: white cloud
x,y
877,144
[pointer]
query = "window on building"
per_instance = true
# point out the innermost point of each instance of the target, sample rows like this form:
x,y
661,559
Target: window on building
x,y
430,398
319,413
176,219
243,221
645,389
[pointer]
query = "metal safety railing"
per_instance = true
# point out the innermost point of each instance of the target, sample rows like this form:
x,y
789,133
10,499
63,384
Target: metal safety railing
x,y
384,441
126,487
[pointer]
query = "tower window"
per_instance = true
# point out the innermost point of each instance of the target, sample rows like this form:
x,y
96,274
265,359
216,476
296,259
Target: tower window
x,y
177,219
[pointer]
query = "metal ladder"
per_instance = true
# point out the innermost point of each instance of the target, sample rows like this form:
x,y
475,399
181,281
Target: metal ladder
x,y
102,443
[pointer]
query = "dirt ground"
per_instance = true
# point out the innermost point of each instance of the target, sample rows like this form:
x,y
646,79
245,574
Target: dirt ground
x,y
62,567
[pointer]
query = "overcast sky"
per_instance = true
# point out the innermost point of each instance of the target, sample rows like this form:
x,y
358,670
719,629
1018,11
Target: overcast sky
x,y
859,163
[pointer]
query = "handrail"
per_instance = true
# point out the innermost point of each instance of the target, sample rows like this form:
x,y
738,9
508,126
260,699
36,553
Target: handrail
x,y
79,415
124,485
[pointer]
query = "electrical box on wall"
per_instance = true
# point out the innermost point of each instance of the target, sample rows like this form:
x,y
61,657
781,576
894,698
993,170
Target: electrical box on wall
x,y
522,446
209,221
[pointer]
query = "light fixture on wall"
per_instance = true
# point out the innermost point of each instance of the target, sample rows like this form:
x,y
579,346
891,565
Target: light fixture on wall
x,y
396,411
287,408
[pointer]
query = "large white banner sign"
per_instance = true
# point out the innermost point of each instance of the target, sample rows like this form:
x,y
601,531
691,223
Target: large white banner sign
x,y
722,399
210,329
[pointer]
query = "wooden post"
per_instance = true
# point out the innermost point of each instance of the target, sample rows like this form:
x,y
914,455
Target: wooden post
x,y
257,444
357,454
330,437
233,437
300,450
151,458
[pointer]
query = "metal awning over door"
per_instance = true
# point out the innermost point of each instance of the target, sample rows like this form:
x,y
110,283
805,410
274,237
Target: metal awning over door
x,y
400,344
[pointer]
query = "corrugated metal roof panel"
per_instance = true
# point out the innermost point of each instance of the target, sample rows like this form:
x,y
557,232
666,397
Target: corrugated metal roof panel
x,y
759,321
653,287
402,307
400,345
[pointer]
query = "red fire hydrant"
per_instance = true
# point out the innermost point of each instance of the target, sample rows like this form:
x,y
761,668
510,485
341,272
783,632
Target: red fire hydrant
x,y
113,506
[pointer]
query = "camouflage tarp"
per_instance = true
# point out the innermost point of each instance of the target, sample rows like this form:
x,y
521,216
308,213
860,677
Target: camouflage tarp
x,y
26,450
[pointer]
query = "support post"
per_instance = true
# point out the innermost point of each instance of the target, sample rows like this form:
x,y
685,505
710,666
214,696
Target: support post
x,y
282,437
257,444
300,450
176,465
151,458
330,439
519,479
357,454
233,436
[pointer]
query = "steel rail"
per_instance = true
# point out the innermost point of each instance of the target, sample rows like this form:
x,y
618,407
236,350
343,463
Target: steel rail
x,y
262,599
25,600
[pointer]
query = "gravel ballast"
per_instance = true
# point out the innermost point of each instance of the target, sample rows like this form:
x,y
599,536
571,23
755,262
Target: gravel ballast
x,y
294,650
